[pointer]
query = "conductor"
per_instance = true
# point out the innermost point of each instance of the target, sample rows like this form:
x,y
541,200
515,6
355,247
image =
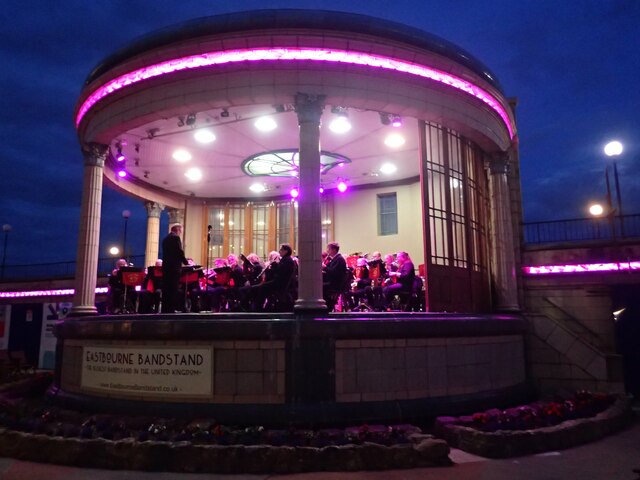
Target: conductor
x,y
172,260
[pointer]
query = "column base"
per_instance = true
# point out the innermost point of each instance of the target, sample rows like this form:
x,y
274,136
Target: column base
x,y
310,306
83,311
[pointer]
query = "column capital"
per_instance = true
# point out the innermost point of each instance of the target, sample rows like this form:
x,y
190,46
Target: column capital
x,y
176,215
498,164
95,154
153,209
309,107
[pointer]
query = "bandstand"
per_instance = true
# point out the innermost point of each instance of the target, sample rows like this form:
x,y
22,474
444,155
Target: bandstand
x,y
215,121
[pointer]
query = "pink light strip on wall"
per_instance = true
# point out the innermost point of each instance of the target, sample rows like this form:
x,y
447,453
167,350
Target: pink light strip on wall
x,y
46,293
292,54
582,268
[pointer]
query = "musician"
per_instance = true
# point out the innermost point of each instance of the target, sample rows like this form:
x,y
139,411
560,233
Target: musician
x,y
237,281
115,297
252,267
172,260
151,291
376,261
217,283
281,278
404,278
334,274
362,284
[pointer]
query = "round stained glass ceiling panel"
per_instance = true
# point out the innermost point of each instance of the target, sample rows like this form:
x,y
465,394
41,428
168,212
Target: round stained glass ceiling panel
x,y
285,163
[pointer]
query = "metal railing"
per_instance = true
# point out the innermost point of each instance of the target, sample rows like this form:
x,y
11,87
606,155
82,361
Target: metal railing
x,y
582,229
36,271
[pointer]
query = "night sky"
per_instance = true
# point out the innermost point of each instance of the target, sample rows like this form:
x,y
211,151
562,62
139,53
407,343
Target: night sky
x,y
574,66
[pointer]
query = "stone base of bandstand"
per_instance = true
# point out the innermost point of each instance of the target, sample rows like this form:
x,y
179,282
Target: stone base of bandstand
x,y
286,369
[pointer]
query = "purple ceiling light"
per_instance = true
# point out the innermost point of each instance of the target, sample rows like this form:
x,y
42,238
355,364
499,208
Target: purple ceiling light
x,y
293,54
342,187
294,192
122,173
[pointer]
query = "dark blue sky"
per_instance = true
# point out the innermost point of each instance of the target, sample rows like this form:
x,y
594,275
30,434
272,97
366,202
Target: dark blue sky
x,y
574,66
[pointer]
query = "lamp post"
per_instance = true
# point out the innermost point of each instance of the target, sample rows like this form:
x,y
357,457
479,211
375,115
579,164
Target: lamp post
x,y
125,214
6,228
614,149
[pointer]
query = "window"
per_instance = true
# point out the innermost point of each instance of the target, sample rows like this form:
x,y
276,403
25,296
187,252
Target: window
x,y
387,214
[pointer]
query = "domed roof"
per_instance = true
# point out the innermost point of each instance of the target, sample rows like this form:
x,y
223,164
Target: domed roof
x,y
294,18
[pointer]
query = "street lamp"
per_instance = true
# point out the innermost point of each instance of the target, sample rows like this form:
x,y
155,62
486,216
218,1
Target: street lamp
x,y
596,209
614,149
125,214
6,228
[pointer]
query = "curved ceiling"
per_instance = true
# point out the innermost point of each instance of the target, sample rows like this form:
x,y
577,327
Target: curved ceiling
x,y
149,151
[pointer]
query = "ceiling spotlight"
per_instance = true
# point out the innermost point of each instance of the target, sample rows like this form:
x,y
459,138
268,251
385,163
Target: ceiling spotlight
x,y
122,173
119,156
204,136
336,110
388,168
191,120
340,125
342,187
385,118
265,124
194,174
152,132
181,156
396,122
224,113
394,140
257,188
321,189
294,192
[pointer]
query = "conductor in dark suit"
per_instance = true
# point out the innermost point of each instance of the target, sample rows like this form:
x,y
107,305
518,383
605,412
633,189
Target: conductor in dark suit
x,y
172,260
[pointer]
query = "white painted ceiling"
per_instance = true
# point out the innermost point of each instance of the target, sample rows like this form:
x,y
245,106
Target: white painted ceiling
x,y
237,139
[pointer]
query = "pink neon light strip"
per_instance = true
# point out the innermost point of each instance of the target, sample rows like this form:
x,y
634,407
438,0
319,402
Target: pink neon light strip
x,y
292,54
46,293
582,268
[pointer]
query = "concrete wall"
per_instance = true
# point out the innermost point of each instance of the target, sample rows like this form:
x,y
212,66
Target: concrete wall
x,y
356,222
571,341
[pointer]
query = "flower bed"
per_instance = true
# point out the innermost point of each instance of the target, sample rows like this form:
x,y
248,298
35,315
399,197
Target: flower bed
x,y
36,432
537,427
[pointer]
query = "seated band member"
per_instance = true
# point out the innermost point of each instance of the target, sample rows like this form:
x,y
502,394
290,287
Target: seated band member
x,y
361,287
217,284
334,274
252,266
151,291
278,282
115,297
404,278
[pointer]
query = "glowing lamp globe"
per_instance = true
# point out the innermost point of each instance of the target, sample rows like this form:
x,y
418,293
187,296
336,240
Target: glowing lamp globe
x,y
612,149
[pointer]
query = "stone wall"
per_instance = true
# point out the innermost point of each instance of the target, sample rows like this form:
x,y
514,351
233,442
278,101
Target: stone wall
x,y
375,370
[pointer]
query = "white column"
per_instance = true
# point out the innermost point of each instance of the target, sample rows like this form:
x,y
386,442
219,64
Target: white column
x,y
503,263
153,232
309,110
89,236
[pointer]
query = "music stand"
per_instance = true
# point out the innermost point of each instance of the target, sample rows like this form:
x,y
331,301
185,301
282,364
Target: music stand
x,y
130,277
190,274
